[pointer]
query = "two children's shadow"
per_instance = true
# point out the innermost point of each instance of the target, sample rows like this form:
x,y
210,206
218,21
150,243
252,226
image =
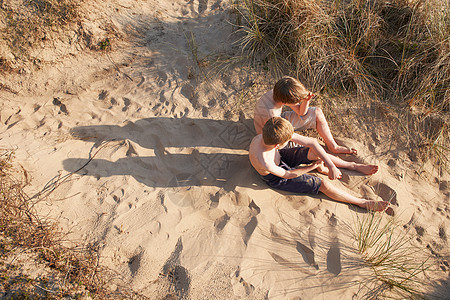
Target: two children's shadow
x,y
183,152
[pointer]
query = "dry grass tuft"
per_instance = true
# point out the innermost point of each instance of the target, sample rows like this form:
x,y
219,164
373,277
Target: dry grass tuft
x,y
26,236
396,50
27,23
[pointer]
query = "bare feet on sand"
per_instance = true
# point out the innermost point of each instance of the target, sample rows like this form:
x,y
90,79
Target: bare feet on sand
x,y
322,169
366,169
343,150
374,205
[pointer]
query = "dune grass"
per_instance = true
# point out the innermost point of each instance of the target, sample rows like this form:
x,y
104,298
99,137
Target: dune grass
x,y
28,23
398,266
27,239
395,52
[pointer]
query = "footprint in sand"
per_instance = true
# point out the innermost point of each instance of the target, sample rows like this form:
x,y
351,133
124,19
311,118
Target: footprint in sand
x,y
444,187
442,233
177,275
162,97
118,195
202,6
205,112
141,82
249,228
181,191
307,254
188,91
286,263
443,262
334,265
216,5
154,227
162,197
214,200
126,103
158,105
134,263
131,151
161,78
41,123
419,230
334,259
103,95
240,286
386,193
113,101
62,106
220,223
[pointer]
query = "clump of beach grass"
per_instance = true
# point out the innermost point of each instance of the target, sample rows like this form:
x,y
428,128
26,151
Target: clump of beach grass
x,y
25,236
395,52
27,23
397,266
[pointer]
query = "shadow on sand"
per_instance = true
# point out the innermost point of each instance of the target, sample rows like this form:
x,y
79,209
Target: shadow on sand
x,y
197,152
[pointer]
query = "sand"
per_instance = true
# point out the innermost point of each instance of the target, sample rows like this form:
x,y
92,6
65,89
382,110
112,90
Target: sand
x,y
153,135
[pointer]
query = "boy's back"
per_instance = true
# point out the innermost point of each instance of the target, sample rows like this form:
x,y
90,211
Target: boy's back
x,y
265,109
260,158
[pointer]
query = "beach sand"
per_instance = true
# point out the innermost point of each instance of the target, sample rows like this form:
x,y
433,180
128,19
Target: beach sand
x,y
147,144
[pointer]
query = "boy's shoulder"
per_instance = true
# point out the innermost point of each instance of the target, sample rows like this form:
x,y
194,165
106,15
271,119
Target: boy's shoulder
x,y
267,96
266,101
256,145
256,140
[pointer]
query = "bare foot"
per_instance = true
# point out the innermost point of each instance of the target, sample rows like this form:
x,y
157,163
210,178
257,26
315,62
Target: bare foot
x,y
322,169
374,205
343,150
366,169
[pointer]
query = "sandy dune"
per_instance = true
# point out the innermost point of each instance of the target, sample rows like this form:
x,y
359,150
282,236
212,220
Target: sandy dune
x,y
156,140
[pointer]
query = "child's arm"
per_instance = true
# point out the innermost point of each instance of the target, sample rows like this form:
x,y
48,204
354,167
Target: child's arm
x,y
289,174
301,170
314,145
300,108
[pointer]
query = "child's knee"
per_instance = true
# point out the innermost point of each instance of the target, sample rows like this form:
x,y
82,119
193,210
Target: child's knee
x,y
325,185
312,156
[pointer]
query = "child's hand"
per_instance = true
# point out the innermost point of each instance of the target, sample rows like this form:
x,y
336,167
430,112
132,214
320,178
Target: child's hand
x,y
334,173
318,164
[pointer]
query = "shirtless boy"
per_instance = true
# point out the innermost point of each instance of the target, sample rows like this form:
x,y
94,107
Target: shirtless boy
x,y
290,92
280,168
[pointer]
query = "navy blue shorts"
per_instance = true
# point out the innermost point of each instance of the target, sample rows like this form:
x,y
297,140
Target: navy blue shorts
x,y
290,159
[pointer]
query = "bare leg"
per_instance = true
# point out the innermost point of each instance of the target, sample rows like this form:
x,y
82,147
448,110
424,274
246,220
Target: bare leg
x,y
342,196
324,131
350,165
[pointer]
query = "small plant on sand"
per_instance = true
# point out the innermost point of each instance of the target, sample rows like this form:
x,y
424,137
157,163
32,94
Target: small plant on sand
x,y
397,266
104,44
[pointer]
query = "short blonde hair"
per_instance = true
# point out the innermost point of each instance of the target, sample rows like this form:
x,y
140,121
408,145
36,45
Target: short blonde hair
x,y
289,90
277,131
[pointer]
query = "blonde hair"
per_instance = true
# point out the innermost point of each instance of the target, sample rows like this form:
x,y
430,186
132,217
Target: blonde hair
x,y
277,131
289,90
